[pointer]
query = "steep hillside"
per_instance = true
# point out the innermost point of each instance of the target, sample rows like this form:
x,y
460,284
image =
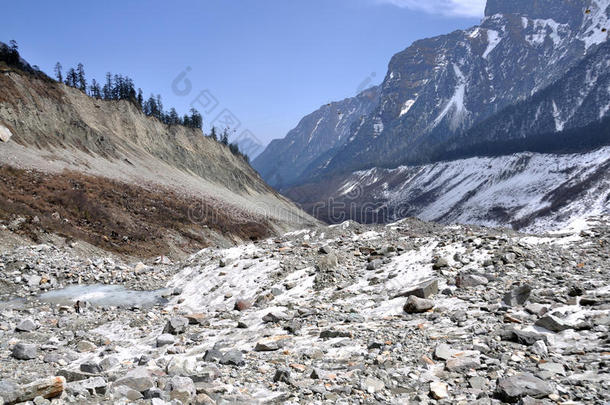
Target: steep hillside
x,y
526,191
59,131
324,130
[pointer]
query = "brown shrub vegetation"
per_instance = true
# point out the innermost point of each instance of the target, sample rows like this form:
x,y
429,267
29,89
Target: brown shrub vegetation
x,y
116,216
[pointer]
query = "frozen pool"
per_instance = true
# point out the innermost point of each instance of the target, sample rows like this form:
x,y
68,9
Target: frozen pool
x,y
104,295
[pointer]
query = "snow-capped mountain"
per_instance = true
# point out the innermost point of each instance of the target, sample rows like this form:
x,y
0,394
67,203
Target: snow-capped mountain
x,y
324,130
531,77
440,87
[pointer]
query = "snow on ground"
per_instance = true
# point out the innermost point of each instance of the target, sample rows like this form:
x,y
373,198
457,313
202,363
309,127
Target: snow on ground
x,y
470,190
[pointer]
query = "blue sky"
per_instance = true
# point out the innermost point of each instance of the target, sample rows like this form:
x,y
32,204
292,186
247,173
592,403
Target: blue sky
x,y
269,62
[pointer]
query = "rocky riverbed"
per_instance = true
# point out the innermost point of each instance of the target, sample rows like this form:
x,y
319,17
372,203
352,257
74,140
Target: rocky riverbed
x,y
411,313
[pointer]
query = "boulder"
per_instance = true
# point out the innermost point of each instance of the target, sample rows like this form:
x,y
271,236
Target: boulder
x,y
233,358
423,290
23,351
517,296
511,389
282,374
27,325
464,280
5,133
552,323
181,389
138,379
176,325
165,339
438,390
91,367
415,305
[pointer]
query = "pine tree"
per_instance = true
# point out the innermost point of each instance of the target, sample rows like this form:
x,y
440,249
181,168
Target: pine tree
x,y
140,99
71,78
13,56
58,74
95,89
81,81
107,90
173,118
196,120
213,134
225,137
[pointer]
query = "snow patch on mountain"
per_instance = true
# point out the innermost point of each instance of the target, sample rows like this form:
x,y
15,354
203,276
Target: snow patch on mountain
x,y
493,39
597,21
547,28
456,103
406,107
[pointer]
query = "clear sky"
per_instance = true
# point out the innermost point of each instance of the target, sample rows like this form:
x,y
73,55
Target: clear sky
x,y
269,62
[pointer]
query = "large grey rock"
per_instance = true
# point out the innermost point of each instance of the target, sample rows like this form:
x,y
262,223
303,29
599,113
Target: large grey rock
x,y
511,389
181,389
138,379
517,296
282,374
464,280
91,366
423,290
415,305
165,339
27,325
176,325
24,351
9,391
233,358
552,323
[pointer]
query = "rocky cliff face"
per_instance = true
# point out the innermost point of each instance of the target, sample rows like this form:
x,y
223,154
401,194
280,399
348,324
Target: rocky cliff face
x,y
318,134
440,87
210,192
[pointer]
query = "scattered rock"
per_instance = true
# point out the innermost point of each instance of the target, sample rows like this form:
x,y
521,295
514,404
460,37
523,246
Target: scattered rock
x,y
138,379
438,390
165,339
23,351
424,290
27,325
176,325
552,323
233,358
372,385
517,296
511,389
415,305
282,374
469,280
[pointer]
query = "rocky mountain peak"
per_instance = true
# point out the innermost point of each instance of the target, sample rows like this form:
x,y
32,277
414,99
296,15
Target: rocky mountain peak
x,y
562,11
